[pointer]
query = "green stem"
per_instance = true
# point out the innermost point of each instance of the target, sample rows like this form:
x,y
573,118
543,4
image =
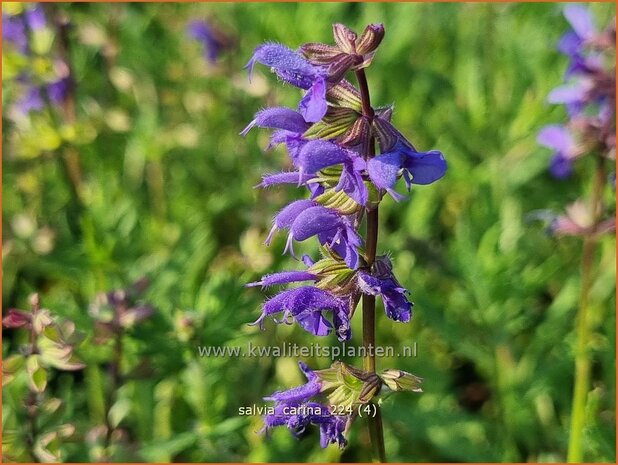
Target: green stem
x,y
115,377
583,360
376,430
70,157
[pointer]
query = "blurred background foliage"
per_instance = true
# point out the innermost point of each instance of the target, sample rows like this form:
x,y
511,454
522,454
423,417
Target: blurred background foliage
x,y
152,179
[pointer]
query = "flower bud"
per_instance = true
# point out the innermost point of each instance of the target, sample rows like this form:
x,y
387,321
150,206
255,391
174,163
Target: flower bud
x,y
399,380
345,38
370,39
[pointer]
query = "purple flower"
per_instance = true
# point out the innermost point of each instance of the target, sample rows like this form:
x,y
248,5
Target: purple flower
x,y
59,90
332,428
306,218
560,140
292,68
278,118
35,17
202,32
332,229
313,105
287,64
298,417
573,42
14,32
286,217
289,124
351,181
308,306
581,21
31,101
300,393
383,283
383,171
286,177
574,96
589,94
295,410
316,155
560,167
342,239
418,167
284,277
583,45
335,159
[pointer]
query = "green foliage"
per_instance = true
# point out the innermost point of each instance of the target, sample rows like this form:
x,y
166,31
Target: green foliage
x,y
165,190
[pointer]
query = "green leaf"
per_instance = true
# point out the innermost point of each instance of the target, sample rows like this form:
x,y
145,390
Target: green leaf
x,y
65,430
119,411
336,122
41,40
51,405
338,200
47,448
164,451
37,376
345,95
12,363
41,320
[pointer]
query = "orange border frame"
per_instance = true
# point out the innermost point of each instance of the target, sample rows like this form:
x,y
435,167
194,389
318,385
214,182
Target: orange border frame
x,y
277,1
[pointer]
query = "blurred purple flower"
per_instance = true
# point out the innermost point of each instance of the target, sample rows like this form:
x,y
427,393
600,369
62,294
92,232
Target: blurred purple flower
x,y
59,90
30,101
209,37
35,17
588,95
14,32
560,140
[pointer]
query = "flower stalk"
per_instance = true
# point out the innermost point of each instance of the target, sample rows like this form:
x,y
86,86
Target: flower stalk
x,y
583,360
376,433
590,100
332,141
114,313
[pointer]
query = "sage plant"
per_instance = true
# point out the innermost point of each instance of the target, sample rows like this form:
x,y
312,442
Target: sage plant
x,y
589,96
331,140
35,433
115,313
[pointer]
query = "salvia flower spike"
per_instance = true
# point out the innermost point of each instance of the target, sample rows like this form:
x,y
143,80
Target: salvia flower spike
x,y
330,138
589,97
